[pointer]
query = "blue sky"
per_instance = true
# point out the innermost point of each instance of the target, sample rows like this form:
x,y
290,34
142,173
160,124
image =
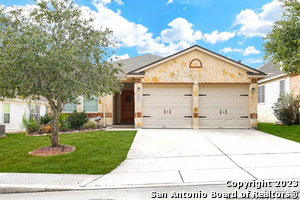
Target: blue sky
x,y
234,29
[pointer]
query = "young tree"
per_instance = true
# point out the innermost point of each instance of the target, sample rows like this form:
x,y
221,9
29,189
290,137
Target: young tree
x,y
283,42
54,51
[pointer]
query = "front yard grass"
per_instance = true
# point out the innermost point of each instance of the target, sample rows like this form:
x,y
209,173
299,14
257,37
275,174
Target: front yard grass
x,y
287,132
97,152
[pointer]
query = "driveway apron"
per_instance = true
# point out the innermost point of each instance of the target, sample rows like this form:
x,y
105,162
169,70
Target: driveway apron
x,y
183,157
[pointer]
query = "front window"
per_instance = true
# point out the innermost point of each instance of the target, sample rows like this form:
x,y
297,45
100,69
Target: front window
x,y
90,105
6,113
70,107
261,94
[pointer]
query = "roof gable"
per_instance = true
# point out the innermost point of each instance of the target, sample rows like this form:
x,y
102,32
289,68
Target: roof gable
x,y
196,47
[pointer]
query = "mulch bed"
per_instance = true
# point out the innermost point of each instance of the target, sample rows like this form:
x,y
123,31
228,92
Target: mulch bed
x,y
50,151
64,132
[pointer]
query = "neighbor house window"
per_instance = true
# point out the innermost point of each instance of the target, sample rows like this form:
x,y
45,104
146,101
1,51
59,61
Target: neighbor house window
x,y
33,112
281,87
6,113
261,94
90,105
70,107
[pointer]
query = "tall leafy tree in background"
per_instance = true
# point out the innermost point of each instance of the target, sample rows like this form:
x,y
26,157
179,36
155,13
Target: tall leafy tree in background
x,y
283,42
53,50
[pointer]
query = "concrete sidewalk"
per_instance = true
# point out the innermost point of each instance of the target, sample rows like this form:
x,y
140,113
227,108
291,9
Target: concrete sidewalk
x,y
180,157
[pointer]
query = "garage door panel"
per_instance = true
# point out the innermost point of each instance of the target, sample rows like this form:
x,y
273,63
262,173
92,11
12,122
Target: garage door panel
x,y
228,100
242,111
166,106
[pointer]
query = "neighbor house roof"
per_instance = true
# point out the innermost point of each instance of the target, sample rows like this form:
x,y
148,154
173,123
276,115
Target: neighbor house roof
x,y
271,70
140,70
131,64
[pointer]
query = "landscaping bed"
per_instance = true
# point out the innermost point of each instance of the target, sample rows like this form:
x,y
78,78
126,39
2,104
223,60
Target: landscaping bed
x,y
97,152
287,132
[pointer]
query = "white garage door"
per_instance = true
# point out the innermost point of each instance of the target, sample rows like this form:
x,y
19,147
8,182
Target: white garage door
x,y
223,106
167,106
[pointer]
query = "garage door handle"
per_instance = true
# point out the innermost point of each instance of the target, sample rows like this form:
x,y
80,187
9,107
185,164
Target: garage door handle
x,y
187,116
226,112
220,112
170,111
146,116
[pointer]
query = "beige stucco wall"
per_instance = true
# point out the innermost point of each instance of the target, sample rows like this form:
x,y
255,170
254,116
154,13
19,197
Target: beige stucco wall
x,y
213,71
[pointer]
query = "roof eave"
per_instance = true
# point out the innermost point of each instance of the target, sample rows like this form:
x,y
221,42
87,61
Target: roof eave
x,y
271,78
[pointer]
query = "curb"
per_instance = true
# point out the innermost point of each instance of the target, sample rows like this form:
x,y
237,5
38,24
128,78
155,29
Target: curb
x,y
7,190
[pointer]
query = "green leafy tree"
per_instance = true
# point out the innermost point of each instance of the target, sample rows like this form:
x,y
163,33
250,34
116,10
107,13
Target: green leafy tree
x,y
283,42
53,50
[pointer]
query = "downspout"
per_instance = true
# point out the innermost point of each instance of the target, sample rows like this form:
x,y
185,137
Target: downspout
x,y
104,112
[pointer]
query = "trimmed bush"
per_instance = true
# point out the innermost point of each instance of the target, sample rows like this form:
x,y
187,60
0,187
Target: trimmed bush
x,y
46,119
29,124
285,109
76,120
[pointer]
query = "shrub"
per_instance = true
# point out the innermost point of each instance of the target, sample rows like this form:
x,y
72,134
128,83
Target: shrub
x,y
29,124
76,120
90,125
284,109
46,119
63,121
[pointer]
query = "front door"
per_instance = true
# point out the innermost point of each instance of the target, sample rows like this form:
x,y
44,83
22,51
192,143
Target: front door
x,y
127,106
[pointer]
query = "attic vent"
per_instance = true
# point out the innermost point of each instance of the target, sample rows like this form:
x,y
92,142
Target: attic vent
x,y
195,63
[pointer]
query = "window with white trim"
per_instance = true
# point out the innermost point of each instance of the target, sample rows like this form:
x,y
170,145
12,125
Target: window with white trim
x,y
90,105
281,87
69,108
6,109
261,94
33,112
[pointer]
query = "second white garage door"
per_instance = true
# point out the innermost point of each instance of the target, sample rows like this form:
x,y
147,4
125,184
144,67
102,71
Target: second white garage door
x,y
223,106
167,106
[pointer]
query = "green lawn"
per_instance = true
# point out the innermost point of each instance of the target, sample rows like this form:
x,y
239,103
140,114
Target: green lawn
x,y
97,152
287,132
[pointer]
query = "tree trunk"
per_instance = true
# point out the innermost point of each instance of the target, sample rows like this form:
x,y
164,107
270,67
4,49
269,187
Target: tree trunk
x,y
55,129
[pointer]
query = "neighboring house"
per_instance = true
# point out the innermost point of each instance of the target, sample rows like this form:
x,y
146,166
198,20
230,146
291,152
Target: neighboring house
x,y
12,111
270,87
194,88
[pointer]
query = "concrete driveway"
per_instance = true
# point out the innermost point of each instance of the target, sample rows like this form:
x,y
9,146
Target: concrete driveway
x,y
176,157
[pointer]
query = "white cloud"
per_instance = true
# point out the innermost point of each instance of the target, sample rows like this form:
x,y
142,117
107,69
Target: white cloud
x,y
181,30
215,36
103,2
240,43
258,24
153,47
229,49
252,61
249,50
116,57
169,1
120,2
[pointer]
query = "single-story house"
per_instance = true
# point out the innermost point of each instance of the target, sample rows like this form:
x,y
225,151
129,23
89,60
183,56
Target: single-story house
x,y
270,87
12,111
194,88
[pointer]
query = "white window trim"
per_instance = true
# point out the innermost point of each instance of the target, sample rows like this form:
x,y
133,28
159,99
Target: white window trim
x,y
90,111
265,94
5,113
